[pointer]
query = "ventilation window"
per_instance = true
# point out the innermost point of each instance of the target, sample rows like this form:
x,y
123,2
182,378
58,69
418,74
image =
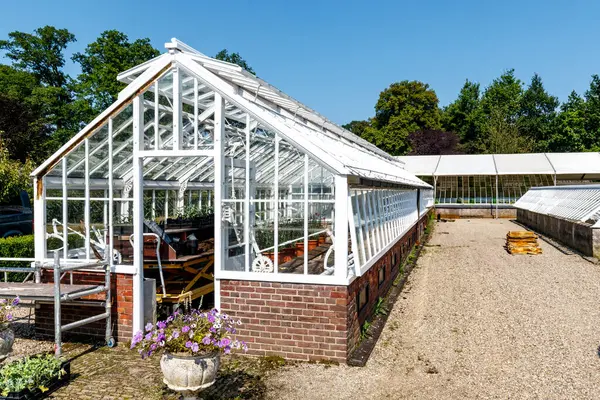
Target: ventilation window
x,y
363,297
381,274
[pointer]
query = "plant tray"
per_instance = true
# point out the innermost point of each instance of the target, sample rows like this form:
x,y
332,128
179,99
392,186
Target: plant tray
x,y
36,393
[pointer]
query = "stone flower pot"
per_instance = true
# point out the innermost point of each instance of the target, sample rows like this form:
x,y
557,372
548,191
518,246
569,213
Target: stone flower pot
x,y
7,338
187,374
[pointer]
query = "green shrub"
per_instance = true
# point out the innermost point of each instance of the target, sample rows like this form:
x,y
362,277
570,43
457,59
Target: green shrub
x,y
23,247
30,373
16,247
75,242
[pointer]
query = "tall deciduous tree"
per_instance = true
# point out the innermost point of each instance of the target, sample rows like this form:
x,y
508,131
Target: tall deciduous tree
x,y
592,114
234,58
537,111
102,61
14,175
357,127
568,130
503,136
433,142
22,120
465,117
504,94
40,53
403,108
501,105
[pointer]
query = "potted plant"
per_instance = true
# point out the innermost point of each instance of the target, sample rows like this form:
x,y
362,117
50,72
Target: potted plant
x,y
7,336
286,254
32,377
191,345
322,239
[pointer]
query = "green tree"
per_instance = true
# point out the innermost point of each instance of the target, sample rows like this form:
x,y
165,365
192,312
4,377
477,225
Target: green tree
x,y
592,115
402,108
504,94
14,175
102,61
234,58
503,136
40,53
24,127
536,114
357,127
568,133
501,105
465,117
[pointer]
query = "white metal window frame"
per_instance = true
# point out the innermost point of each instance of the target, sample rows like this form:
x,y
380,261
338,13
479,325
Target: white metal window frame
x,y
577,202
380,217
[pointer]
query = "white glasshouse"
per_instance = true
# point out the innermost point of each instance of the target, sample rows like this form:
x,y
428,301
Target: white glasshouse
x,y
500,178
195,139
574,203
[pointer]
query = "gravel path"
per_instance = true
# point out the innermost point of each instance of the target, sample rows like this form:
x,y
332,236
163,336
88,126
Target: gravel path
x,y
476,322
26,342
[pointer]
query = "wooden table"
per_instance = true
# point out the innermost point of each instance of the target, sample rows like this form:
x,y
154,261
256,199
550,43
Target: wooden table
x,y
296,266
37,291
186,277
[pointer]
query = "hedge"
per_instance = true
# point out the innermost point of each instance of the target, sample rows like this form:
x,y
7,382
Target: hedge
x,y
23,247
16,246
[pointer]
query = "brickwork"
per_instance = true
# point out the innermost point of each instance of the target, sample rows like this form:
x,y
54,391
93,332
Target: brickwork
x,y
295,321
307,321
474,212
390,262
122,308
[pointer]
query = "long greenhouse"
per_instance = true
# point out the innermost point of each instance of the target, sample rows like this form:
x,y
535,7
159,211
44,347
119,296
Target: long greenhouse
x,y
203,183
500,178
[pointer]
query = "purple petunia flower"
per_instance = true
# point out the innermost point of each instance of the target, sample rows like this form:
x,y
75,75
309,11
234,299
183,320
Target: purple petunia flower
x,y
188,344
136,339
194,347
149,327
185,329
175,334
206,340
9,317
227,350
153,347
225,342
15,301
161,325
148,336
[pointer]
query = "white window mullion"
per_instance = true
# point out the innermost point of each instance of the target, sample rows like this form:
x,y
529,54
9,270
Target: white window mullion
x,y
367,219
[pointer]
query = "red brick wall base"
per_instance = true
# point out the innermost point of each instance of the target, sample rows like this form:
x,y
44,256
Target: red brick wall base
x,y
308,321
295,321
122,309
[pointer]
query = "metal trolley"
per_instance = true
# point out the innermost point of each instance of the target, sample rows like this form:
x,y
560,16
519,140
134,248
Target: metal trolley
x,y
60,294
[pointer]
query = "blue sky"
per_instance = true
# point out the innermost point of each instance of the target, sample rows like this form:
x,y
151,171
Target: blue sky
x,y
337,56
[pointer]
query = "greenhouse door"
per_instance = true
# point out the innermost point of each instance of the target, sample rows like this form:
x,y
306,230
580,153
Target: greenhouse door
x,y
235,191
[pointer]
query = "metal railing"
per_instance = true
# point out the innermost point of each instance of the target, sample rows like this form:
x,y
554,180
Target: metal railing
x,y
59,298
